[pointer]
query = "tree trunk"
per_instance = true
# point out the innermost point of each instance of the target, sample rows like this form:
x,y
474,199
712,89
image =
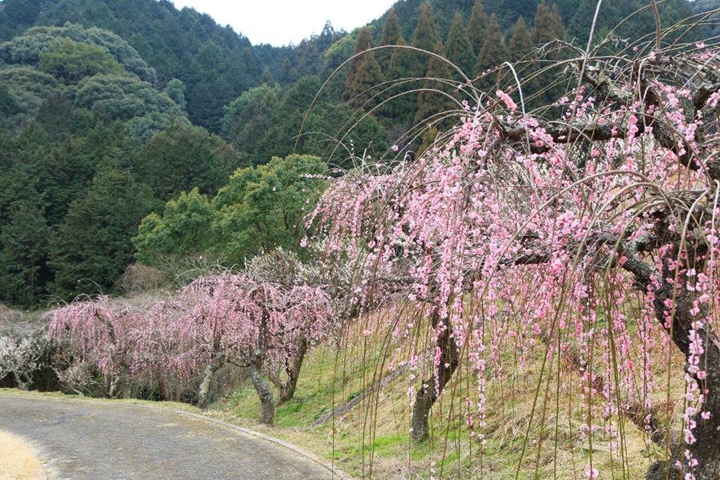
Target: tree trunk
x,y
292,369
204,390
267,400
706,448
433,386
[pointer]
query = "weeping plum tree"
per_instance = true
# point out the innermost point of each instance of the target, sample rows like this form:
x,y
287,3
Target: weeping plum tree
x,y
587,231
257,325
108,348
94,345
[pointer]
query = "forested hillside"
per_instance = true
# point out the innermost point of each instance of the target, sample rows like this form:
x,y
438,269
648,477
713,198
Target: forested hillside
x,y
111,109
500,230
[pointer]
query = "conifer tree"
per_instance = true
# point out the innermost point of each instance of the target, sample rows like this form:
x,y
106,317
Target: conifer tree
x,y
492,53
521,42
547,28
432,100
391,35
477,26
458,48
426,36
548,24
365,72
399,107
408,64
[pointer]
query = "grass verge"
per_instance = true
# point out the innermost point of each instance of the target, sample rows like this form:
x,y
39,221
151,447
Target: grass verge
x,y
18,460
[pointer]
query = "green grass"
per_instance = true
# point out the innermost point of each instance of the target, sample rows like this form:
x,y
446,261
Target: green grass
x,y
371,440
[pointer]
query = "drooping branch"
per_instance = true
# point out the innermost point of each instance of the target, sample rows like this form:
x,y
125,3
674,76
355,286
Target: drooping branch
x,y
648,114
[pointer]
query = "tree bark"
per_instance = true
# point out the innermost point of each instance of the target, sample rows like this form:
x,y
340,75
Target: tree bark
x,y
433,386
204,390
292,369
267,400
706,448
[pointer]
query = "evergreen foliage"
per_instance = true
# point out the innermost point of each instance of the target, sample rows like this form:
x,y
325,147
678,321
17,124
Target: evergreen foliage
x,y
458,48
391,35
548,24
72,61
260,208
23,252
426,36
182,157
492,54
435,98
184,229
365,73
91,247
249,117
478,26
521,43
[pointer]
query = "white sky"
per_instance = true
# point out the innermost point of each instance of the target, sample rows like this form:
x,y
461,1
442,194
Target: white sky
x,y
282,22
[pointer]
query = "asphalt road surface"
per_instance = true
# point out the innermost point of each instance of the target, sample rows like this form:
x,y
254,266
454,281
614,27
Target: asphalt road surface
x,y
88,440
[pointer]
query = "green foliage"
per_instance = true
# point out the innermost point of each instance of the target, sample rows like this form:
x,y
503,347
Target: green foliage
x,y
18,15
175,89
249,117
521,43
400,106
25,88
434,99
8,105
365,73
548,24
391,35
116,97
27,48
260,208
508,11
96,69
458,48
265,122
182,157
492,54
91,248
627,18
214,62
57,116
183,230
338,133
72,61
478,26
23,252
548,28
264,207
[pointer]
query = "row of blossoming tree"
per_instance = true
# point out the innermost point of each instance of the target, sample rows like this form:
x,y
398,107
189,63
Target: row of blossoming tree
x,y
586,230
110,348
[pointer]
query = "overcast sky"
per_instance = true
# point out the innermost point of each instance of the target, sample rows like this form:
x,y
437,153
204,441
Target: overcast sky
x,y
282,22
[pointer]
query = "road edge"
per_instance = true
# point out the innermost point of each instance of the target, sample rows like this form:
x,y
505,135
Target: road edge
x,y
335,472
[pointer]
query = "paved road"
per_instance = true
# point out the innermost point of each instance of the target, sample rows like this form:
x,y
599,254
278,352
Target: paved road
x,y
85,440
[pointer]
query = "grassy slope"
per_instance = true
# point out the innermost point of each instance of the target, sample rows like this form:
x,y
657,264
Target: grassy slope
x,y
371,440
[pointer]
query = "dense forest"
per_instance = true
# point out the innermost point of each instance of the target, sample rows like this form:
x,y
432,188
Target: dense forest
x,y
131,131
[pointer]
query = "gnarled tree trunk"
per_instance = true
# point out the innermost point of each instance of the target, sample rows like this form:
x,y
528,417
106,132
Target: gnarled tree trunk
x,y
204,390
267,399
433,386
673,305
292,370
706,448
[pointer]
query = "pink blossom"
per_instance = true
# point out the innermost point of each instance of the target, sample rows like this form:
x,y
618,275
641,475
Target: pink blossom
x,y
509,103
